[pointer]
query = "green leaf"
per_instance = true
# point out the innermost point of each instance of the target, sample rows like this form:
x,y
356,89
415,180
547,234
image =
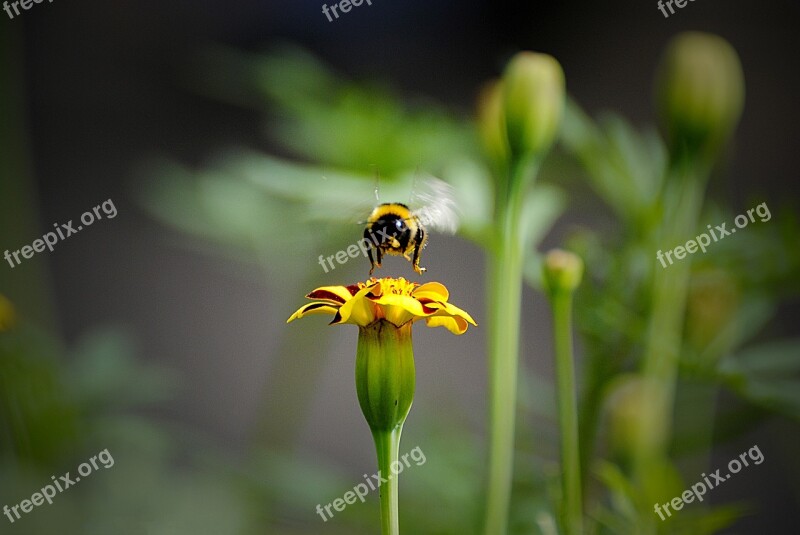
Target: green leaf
x,y
767,375
624,167
774,358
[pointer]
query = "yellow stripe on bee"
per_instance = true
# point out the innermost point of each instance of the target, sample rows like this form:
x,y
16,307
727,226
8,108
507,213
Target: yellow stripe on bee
x,y
390,209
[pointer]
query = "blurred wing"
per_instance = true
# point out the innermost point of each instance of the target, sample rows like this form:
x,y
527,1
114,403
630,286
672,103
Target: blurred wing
x,y
433,202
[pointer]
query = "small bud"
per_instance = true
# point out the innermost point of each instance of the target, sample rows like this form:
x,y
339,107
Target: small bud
x,y
714,300
626,398
7,314
700,92
491,122
563,271
533,102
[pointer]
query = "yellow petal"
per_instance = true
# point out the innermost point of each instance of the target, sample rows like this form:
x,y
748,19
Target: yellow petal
x,y
313,308
358,310
435,291
399,309
455,325
454,311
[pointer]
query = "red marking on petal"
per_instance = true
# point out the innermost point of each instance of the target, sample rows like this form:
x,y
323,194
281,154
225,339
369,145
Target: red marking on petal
x,y
424,302
314,306
325,294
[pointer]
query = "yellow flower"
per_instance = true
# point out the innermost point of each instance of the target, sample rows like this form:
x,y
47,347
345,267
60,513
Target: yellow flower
x,y
385,311
396,301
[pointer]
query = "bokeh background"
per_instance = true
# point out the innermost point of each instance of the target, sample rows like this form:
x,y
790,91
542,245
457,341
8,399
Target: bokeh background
x,y
98,97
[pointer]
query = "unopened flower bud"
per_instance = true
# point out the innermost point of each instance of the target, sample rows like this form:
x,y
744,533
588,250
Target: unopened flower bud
x,y
700,92
7,314
533,102
563,271
491,122
626,398
714,299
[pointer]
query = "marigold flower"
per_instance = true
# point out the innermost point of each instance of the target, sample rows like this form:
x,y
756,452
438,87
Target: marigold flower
x,y
397,301
385,311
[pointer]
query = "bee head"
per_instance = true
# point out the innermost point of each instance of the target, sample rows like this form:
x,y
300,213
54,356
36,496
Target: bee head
x,y
386,228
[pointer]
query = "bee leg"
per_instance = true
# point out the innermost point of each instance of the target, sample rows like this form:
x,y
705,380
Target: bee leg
x,y
420,243
379,254
371,261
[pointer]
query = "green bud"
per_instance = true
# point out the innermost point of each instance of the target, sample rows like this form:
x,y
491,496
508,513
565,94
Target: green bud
x,y
714,300
533,102
563,271
700,92
626,398
491,122
8,317
385,374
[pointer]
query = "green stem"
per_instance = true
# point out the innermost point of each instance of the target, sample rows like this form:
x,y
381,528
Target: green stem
x,y
29,286
683,203
387,444
572,518
385,381
505,299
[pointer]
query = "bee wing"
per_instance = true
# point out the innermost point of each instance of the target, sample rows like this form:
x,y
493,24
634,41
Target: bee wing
x,y
433,202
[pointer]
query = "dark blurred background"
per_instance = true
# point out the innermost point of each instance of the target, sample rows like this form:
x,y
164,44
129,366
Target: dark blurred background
x,y
108,85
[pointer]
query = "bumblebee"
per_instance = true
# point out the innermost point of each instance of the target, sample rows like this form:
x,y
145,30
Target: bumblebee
x,y
394,230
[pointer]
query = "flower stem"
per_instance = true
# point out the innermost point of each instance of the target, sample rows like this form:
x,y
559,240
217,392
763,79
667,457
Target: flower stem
x,y
671,288
683,203
387,445
385,380
505,298
572,518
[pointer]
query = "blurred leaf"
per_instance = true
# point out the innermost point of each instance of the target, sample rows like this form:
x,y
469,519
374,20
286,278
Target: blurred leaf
x,y
774,358
695,521
625,168
767,375
623,492
356,126
38,421
324,117
475,195
105,374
